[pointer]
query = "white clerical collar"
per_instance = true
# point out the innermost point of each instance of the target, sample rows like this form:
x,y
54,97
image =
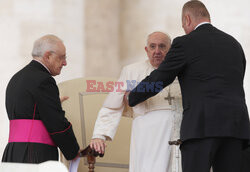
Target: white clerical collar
x,y
42,64
201,24
150,64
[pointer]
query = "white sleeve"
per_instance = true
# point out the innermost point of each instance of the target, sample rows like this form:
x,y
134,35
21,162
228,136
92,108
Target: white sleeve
x,y
110,114
114,99
107,122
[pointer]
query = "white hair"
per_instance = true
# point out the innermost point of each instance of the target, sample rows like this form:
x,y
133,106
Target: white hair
x,y
44,44
167,36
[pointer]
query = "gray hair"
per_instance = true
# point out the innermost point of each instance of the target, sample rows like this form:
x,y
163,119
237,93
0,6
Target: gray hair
x,y
167,36
44,44
197,8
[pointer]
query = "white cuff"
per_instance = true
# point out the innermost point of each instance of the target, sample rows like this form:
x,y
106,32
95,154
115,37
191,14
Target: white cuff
x,y
99,137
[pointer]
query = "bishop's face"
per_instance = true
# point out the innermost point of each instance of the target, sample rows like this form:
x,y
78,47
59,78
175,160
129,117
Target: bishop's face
x,y
57,59
157,48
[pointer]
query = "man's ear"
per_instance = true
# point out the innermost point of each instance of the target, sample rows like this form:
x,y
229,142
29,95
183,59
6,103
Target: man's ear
x,y
188,20
146,49
47,55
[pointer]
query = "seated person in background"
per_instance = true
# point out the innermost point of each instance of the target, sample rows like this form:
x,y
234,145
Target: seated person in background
x,y
156,121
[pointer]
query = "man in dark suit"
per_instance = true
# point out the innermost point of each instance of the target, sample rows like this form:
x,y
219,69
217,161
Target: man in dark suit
x,y
37,122
210,66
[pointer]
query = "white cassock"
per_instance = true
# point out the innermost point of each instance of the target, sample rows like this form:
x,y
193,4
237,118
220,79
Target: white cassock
x,y
156,122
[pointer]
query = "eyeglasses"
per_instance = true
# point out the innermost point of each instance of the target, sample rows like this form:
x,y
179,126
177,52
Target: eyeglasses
x,y
61,57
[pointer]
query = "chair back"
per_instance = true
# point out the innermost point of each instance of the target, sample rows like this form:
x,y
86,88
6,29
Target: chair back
x,y
86,96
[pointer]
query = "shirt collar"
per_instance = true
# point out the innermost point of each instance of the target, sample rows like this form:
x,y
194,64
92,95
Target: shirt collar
x,y
201,24
148,62
42,64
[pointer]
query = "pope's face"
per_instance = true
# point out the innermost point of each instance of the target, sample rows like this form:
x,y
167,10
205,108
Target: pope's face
x,y
157,48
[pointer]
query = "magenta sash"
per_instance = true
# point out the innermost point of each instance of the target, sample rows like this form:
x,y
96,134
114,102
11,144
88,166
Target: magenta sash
x,y
28,130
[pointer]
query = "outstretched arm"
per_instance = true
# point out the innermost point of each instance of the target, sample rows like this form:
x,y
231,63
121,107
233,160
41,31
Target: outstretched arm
x,y
173,64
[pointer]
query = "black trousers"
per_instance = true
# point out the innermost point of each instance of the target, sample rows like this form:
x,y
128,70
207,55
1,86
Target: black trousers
x,y
246,160
222,154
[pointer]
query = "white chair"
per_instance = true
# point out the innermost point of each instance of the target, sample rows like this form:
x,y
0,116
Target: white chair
x,y
81,110
49,166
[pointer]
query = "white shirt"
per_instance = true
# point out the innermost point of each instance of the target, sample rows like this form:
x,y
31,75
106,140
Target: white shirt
x,y
42,64
201,24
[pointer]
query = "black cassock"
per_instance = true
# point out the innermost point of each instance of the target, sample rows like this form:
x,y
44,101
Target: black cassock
x,y
32,93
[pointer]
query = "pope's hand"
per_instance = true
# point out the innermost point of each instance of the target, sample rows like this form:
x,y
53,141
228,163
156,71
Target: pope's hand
x,y
98,144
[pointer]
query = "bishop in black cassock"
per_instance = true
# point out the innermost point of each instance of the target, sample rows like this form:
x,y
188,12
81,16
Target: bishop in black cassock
x,y
32,96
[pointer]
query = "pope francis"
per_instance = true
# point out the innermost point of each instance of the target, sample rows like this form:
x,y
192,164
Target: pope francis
x,y
155,121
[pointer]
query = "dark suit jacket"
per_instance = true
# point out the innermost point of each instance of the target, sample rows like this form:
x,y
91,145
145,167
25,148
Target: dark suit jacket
x,y
34,85
210,66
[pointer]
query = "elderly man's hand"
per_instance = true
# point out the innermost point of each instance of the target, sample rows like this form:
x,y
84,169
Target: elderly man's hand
x,y
125,98
62,99
98,144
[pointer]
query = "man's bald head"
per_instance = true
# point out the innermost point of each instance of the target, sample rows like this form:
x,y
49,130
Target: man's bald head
x,y
193,13
197,9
